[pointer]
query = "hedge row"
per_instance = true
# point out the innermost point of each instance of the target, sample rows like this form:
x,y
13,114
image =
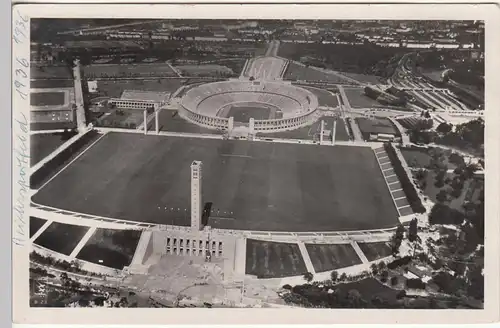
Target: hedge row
x,y
408,188
53,165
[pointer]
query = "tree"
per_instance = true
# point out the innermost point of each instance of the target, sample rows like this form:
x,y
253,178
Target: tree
x,y
444,128
308,276
374,269
384,275
442,196
394,281
397,239
334,275
343,276
413,231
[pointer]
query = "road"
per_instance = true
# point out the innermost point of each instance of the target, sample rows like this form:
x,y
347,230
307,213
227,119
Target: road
x,y
272,49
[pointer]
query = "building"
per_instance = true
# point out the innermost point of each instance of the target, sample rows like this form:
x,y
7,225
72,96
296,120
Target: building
x,y
138,99
377,129
196,199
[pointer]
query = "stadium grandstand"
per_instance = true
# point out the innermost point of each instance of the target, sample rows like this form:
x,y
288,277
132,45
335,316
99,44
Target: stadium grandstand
x,y
289,106
138,99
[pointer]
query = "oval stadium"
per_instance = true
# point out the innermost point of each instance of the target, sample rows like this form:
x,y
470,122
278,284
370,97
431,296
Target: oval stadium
x,y
262,106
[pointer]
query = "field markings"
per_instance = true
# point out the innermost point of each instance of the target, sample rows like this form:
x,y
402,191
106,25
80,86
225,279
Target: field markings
x,y
389,176
72,161
403,206
400,198
397,190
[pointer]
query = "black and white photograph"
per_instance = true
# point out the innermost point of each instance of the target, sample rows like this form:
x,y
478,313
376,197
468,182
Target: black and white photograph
x,y
253,163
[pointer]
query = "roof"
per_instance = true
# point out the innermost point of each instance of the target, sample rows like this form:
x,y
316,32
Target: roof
x,y
376,126
101,44
154,96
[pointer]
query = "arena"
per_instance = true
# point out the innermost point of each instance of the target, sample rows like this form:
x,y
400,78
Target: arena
x,y
260,106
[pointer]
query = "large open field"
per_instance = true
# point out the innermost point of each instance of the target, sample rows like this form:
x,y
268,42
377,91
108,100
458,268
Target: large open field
x,y
267,259
253,185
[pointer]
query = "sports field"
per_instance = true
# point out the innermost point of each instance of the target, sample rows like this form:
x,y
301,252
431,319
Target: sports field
x,y
46,98
61,237
252,185
267,259
326,257
244,113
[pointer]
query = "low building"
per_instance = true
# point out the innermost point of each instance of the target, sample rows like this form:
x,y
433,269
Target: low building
x,y
138,99
377,129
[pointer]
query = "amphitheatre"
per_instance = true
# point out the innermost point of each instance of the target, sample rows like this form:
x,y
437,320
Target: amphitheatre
x,y
322,204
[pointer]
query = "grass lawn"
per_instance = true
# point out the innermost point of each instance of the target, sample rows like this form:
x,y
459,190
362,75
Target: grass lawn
x,y
115,248
47,98
375,251
325,98
42,145
326,257
267,259
170,120
144,70
35,224
61,237
298,72
357,98
265,186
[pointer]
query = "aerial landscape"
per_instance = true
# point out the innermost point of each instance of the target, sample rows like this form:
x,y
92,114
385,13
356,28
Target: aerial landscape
x,y
257,163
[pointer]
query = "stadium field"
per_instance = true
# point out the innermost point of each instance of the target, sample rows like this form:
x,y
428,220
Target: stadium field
x,y
266,259
326,257
46,98
244,113
357,98
251,185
